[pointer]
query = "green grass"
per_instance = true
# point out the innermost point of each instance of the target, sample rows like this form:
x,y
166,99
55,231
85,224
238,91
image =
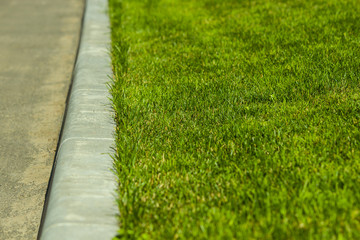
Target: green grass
x,y
237,119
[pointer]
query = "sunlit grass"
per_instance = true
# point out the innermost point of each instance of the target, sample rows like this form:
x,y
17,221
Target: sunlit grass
x,y
237,119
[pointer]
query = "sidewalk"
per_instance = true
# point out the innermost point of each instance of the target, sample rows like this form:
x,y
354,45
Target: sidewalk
x,y
38,44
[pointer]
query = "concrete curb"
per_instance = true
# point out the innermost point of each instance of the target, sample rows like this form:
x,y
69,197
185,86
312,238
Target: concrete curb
x,y
81,203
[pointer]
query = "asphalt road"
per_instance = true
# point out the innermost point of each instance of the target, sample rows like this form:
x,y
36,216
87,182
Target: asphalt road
x,y
38,44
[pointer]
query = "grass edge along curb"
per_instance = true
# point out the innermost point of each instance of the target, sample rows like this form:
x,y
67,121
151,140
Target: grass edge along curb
x,y
81,204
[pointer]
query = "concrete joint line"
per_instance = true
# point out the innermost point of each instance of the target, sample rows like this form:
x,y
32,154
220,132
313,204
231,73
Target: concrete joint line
x,y
101,91
86,111
81,203
71,224
85,139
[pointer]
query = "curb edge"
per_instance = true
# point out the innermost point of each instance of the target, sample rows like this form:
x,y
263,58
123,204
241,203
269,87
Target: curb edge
x,y
81,203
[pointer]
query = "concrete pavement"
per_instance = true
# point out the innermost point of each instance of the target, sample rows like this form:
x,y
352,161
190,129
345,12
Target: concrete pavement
x,y
38,44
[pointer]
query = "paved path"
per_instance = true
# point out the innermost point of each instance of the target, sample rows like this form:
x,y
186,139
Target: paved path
x,y
38,43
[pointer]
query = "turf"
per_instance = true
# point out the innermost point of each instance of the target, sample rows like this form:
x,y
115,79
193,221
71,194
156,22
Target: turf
x,y
237,119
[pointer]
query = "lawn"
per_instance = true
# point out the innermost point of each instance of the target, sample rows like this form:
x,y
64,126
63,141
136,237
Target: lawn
x,y
237,119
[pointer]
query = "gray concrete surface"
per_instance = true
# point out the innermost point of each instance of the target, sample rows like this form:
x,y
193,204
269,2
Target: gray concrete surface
x,y
38,44
82,203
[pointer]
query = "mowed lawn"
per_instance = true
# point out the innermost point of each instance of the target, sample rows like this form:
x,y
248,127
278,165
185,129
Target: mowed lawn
x,y
237,119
